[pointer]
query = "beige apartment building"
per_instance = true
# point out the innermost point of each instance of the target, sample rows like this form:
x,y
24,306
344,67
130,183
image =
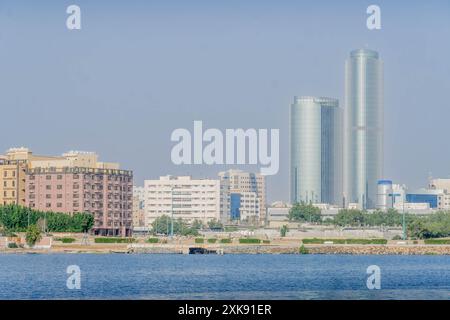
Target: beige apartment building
x,y
443,198
443,184
12,181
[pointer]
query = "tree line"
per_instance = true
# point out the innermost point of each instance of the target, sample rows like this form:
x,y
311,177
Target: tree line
x,y
163,225
434,225
14,218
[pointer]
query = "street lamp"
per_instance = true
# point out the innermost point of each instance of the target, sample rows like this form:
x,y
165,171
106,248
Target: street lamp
x,y
404,221
171,218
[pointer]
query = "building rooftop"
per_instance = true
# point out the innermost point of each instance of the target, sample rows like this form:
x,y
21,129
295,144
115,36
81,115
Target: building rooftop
x,y
366,53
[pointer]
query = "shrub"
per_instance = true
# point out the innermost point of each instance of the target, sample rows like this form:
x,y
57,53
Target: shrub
x,y
266,241
437,241
152,240
225,240
12,245
199,240
303,250
212,240
114,240
249,240
65,240
345,241
312,241
283,230
32,235
366,241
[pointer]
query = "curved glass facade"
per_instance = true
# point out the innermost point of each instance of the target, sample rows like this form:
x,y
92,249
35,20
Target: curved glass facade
x,y
315,150
363,127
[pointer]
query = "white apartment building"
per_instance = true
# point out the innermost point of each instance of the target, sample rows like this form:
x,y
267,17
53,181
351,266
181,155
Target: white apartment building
x,y
249,207
182,196
243,196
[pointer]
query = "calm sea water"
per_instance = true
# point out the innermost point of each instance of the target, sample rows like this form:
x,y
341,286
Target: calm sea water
x,y
153,276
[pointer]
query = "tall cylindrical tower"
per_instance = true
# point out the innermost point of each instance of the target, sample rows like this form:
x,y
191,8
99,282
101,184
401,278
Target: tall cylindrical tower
x,y
315,150
363,132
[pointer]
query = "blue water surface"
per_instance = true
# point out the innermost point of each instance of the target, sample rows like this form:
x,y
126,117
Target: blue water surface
x,y
167,276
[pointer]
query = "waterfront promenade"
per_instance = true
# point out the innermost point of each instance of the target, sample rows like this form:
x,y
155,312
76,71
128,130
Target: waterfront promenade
x,y
273,246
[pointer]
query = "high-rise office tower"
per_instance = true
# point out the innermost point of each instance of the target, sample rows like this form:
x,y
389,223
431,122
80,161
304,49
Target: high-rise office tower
x,y
316,150
363,133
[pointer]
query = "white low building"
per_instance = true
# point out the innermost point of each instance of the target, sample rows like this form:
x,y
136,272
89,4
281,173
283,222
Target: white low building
x,y
182,196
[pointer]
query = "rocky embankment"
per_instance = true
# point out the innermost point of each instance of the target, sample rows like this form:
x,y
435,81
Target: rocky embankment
x,y
389,249
381,249
314,249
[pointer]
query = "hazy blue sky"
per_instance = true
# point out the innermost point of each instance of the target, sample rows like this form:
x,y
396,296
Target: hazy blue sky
x,y
140,69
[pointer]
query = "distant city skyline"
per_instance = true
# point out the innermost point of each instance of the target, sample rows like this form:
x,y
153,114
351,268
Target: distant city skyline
x,y
133,74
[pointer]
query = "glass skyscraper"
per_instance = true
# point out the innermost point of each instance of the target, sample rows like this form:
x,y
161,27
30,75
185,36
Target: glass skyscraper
x,y
363,133
315,150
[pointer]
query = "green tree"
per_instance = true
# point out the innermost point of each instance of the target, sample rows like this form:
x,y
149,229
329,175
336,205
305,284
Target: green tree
x,y
162,225
283,230
215,224
33,235
303,212
197,224
17,219
435,225
349,217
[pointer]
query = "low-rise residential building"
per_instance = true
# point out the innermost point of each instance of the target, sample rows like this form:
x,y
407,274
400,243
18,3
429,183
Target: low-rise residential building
x,y
182,197
278,211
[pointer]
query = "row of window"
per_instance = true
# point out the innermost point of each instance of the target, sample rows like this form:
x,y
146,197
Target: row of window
x,y
13,194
